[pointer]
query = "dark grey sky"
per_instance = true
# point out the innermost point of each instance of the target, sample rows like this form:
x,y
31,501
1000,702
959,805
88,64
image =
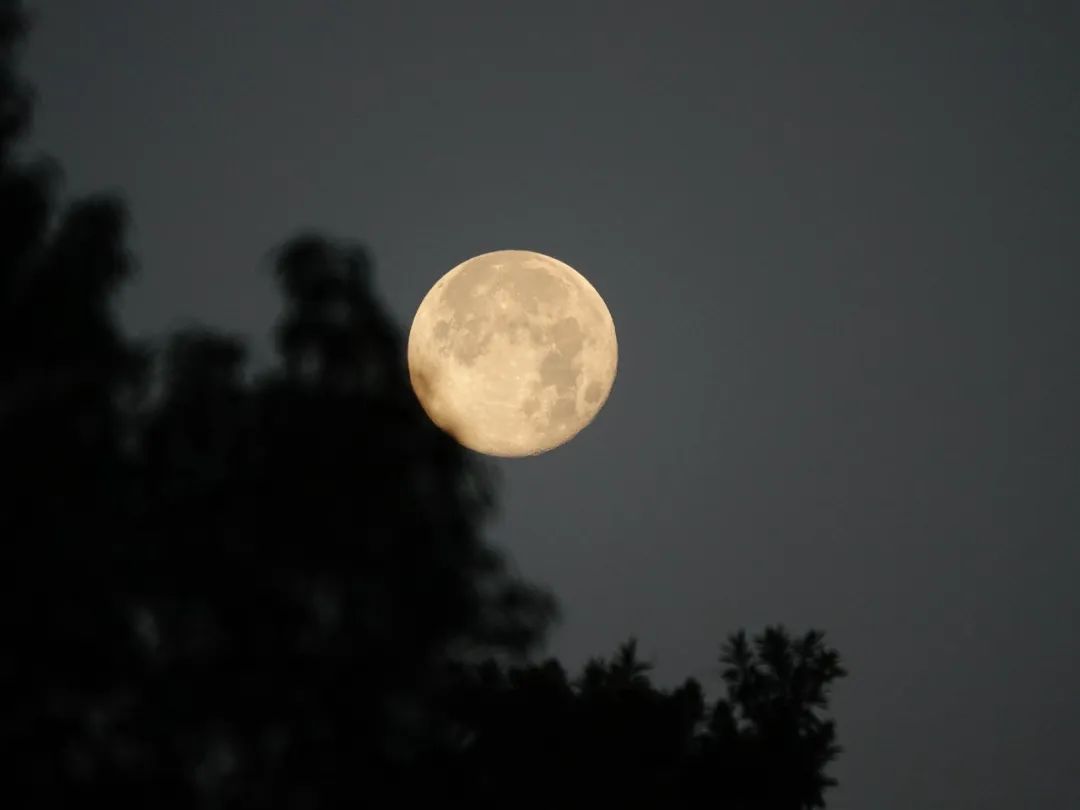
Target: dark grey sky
x,y
840,245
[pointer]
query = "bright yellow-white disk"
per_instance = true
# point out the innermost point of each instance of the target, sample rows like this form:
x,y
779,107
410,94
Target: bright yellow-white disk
x,y
513,353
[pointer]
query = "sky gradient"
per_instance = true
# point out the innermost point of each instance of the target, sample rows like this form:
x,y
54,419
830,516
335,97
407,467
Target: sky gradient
x,y
839,243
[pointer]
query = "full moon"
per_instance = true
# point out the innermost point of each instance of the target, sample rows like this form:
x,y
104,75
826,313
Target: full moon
x,y
513,353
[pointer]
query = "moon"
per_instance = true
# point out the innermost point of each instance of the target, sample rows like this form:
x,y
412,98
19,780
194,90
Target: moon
x,y
513,353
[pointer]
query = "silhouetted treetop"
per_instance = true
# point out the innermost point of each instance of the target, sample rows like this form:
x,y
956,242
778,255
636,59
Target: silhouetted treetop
x,y
770,726
611,735
222,588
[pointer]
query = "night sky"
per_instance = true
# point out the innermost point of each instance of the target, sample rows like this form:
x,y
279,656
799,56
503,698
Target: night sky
x,y
840,245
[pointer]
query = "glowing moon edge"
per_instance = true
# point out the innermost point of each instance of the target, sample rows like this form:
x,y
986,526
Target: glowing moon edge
x,y
513,353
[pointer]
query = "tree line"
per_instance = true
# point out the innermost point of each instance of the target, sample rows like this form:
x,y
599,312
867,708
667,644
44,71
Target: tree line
x,y
227,587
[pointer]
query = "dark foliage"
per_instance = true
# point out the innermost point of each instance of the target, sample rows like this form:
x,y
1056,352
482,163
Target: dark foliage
x,y
219,589
229,589
612,736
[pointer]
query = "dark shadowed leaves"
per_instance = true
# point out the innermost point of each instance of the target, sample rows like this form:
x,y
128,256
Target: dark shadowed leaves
x,y
220,588
230,589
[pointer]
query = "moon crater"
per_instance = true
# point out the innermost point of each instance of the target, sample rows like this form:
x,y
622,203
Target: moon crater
x,y
512,352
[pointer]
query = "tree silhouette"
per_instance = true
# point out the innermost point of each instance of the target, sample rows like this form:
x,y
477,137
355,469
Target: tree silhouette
x,y
768,732
233,588
220,588
612,736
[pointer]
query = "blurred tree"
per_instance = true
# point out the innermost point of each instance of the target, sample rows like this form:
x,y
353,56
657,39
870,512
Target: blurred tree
x,y
316,544
219,590
226,589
